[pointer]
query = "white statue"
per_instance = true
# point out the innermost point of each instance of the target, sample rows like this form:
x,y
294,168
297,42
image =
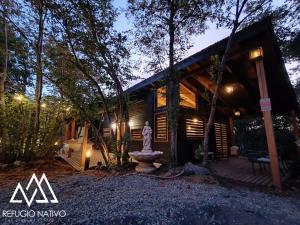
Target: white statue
x,y
147,133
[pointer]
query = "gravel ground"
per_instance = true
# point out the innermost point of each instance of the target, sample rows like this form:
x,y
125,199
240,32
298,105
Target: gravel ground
x,y
133,199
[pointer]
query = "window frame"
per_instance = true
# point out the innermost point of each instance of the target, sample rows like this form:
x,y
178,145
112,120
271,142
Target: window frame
x,y
196,98
155,128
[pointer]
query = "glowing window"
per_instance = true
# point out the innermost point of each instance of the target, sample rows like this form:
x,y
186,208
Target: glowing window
x,y
187,97
161,99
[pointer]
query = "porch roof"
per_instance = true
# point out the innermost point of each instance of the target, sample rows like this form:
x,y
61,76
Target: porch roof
x,y
239,71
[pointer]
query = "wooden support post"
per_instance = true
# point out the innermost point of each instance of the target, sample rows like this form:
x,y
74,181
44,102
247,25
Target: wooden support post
x,y
231,129
66,135
295,127
84,143
73,125
266,109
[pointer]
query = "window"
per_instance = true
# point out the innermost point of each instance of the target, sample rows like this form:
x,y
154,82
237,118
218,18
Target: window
x,y
161,99
136,134
194,128
221,139
161,128
106,132
187,97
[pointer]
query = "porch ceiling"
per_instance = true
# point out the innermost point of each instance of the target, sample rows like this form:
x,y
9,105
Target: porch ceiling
x,y
240,90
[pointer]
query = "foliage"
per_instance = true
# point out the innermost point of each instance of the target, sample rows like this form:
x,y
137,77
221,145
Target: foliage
x,y
18,118
251,136
199,152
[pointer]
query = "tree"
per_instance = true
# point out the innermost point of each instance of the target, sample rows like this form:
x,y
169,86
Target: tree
x,y
3,74
98,51
237,13
162,29
32,29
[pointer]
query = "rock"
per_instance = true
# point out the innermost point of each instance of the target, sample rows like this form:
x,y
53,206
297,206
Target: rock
x,y
191,169
3,166
18,163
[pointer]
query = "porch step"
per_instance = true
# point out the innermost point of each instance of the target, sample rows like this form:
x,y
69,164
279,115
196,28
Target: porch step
x,y
74,161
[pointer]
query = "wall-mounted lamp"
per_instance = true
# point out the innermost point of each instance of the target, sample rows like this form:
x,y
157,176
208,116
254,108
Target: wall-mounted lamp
x,y
256,53
195,120
130,123
229,89
114,126
237,113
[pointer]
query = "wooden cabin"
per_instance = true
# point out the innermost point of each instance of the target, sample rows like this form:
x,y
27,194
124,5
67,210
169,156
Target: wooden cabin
x,y
255,84
240,94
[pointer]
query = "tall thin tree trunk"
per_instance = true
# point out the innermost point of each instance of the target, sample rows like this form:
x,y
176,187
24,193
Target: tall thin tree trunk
x,y
3,75
39,77
216,96
172,93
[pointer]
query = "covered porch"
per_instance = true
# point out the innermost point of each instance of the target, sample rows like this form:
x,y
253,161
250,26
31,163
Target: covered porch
x,y
255,84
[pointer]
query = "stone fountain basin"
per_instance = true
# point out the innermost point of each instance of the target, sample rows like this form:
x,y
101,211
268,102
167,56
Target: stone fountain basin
x,y
145,156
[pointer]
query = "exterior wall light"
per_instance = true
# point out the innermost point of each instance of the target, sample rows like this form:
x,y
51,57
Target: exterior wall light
x,y
256,53
114,126
237,113
130,123
195,120
229,89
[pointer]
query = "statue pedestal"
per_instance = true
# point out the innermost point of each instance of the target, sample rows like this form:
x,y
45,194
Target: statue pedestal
x,y
145,160
145,167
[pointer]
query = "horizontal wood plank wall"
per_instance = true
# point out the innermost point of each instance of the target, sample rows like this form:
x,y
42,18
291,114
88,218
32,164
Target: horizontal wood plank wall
x,y
221,139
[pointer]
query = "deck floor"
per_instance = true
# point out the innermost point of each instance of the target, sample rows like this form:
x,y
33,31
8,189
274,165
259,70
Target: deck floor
x,y
239,169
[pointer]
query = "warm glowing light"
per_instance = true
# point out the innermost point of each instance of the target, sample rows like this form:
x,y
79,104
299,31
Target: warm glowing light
x,y
256,53
229,89
19,97
189,127
237,113
56,143
195,120
44,105
68,109
114,126
130,123
88,154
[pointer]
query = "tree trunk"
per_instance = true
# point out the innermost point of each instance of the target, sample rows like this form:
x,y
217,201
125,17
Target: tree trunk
x,y
172,93
39,78
216,96
3,75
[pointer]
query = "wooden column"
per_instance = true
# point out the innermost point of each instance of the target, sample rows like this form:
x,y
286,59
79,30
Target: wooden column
x,y
231,129
265,103
295,127
84,143
73,125
66,135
